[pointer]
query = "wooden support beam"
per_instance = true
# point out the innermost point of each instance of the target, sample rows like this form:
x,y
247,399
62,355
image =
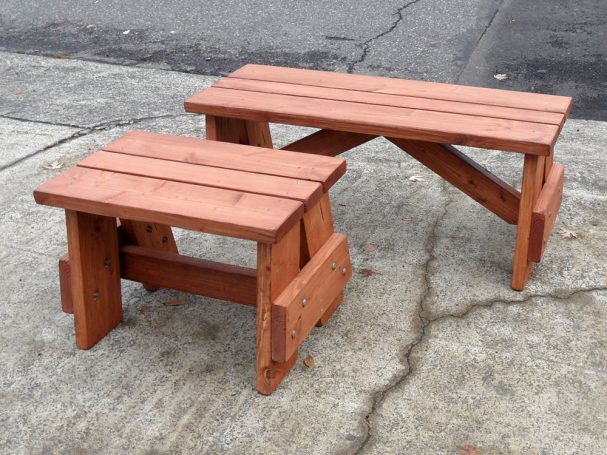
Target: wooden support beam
x,y
308,296
328,142
467,175
533,175
187,274
277,265
94,275
545,211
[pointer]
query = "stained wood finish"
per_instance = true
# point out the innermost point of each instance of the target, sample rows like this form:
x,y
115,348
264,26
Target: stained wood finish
x,y
95,275
328,142
305,191
325,170
195,207
533,173
224,129
431,126
432,90
467,175
187,274
545,211
65,284
258,134
277,266
320,282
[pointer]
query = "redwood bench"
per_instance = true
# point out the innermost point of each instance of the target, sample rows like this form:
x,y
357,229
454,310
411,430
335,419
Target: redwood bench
x,y
421,118
153,181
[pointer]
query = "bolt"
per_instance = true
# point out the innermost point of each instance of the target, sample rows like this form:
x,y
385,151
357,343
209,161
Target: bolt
x,y
304,302
148,229
107,263
165,240
333,266
95,295
293,334
343,271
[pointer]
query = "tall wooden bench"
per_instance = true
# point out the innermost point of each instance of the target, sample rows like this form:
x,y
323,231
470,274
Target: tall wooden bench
x,y
421,118
153,181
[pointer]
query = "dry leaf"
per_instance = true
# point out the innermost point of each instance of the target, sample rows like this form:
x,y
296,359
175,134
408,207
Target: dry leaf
x,y
309,361
126,32
146,309
467,450
500,77
53,165
567,233
17,92
407,219
417,178
147,56
175,302
62,55
90,26
367,272
370,248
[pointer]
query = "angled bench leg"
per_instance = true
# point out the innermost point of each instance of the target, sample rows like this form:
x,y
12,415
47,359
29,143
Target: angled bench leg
x,y
238,131
533,175
317,226
95,275
277,265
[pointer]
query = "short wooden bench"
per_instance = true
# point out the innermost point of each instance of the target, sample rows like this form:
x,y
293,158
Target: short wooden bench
x,y
421,118
150,182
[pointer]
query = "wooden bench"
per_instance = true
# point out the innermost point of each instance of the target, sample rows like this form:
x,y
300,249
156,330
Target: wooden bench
x,y
421,118
153,181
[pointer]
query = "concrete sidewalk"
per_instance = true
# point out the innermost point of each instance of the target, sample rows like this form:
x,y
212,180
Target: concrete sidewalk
x,y
432,351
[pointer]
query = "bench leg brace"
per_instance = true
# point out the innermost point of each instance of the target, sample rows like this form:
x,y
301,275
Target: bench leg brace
x,y
277,265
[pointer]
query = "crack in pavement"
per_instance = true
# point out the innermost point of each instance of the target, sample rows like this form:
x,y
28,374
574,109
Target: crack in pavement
x,y
83,131
379,396
478,41
366,45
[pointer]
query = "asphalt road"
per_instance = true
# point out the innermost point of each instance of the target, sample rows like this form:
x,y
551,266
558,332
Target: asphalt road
x,y
550,46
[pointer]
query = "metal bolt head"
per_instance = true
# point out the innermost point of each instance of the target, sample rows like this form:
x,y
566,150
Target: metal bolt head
x,y
165,240
333,266
343,271
95,295
107,263
293,333
148,229
304,302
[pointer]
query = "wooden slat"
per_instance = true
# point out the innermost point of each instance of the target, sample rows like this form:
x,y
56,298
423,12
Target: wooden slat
x,y
325,170
302,190
95,275
545,211
199,208
328,142
187,274
277,265
65,284
467,175
432,90
319,283
383,99
431,126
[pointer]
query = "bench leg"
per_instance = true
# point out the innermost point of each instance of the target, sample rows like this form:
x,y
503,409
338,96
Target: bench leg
x,y
154,236
533,175
277,265
317,226
238,131
95,275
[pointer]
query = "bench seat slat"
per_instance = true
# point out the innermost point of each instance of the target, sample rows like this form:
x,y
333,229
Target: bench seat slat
x,y
433,90
446,128
383,99
302,190
322,169
213,210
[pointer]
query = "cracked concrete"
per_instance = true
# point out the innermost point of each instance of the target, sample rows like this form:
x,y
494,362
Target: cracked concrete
x,y
432,350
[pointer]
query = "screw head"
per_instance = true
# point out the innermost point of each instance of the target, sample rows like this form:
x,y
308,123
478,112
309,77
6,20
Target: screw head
x,y
333,266
343,271
148,229
107,263
95,295
165,240
304,302
293,333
